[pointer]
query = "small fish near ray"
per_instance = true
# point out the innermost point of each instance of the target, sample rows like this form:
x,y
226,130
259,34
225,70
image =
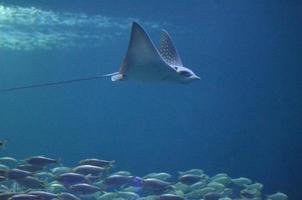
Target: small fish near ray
x,y
144,62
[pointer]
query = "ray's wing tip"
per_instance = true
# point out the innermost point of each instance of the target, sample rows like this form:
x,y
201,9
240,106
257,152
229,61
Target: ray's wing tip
x,y
137,26
164,31
134,23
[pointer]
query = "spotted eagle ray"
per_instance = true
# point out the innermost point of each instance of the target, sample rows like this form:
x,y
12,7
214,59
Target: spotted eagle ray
x,y
143,62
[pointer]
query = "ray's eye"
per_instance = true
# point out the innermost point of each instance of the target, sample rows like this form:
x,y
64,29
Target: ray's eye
x,y
185,73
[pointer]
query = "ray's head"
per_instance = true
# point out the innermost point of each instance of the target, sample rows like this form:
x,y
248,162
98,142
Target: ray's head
x,y
186,75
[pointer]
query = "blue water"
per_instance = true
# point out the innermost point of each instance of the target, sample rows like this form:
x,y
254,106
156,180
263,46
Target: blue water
x,y
243,117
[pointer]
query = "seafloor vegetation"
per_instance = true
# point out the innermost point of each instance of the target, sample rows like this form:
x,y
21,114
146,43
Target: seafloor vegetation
x,y
42,178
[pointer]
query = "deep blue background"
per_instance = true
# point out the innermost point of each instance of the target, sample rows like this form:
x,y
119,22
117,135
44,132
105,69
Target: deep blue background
x,y
243,118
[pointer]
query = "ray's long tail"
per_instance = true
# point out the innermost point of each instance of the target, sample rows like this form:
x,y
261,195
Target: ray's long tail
x,y
55,83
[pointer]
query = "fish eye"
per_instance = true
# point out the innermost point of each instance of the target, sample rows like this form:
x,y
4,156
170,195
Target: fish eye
x,y
185,73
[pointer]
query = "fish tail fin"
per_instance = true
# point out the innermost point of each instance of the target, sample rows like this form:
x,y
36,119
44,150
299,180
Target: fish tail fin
x,y
59,161
111,164
3,146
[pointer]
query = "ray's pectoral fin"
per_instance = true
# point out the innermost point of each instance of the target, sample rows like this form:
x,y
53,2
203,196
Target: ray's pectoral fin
x,y
168,50
142,60
140,49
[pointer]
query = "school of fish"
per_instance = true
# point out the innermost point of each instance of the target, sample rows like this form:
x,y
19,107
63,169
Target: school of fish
x,y
43,178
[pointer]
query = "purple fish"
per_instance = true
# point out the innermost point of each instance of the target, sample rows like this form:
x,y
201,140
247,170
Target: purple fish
x,y
31,182
30,168
189,179
118,180
84,188
7,195
88,169
67,196
72,178
97,162
156,186
211,196
136,181
41,161
17,174
24,197
43,195
170,197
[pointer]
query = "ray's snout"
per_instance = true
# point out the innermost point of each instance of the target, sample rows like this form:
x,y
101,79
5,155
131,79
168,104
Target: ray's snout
x,y
187,75
195,77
